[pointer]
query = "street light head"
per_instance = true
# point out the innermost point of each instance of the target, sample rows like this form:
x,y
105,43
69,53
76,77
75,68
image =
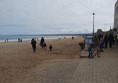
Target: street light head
x,y
93,13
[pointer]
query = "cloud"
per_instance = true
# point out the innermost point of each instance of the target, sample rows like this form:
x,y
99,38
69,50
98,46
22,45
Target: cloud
x,y
54,16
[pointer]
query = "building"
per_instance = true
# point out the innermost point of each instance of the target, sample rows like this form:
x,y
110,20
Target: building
x,y
116,16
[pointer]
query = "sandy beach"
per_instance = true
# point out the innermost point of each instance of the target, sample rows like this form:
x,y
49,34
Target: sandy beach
x,y
18,59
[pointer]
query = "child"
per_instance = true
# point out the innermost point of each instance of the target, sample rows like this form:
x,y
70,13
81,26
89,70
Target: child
x,y
90,48
50,47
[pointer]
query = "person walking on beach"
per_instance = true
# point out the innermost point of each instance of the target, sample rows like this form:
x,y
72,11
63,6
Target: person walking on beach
x,y
50,47
42,42
7,40
33,43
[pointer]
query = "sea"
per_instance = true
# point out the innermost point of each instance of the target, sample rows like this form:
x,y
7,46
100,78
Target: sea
x,y
11,38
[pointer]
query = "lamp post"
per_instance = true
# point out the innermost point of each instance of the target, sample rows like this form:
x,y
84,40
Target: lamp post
x,y
93,23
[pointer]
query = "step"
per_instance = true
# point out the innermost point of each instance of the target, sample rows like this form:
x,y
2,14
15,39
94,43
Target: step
x,y
84,54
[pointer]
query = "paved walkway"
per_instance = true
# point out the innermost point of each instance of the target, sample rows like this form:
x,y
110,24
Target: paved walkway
x,y
83,70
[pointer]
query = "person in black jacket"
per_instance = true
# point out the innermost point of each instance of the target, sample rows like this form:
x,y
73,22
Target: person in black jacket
x,y
106,40
33,43
42,42
111,39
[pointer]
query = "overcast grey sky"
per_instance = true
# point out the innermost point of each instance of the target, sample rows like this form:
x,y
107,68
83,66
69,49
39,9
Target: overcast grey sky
x,y
54,16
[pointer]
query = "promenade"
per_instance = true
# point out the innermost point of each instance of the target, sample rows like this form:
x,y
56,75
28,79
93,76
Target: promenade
x,y
82,70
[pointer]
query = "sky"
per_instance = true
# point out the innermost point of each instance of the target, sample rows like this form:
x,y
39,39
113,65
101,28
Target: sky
x,y
55,16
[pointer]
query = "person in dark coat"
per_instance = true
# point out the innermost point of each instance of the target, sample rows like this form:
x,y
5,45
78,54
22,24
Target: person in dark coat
x,y
33,43
106,40
111,39
42,42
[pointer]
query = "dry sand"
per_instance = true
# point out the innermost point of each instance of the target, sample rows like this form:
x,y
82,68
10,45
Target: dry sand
x,y
17,59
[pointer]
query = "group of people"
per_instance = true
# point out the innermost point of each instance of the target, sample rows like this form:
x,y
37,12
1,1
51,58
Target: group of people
x,y
110,39
19,40
102,41
6,40
42,44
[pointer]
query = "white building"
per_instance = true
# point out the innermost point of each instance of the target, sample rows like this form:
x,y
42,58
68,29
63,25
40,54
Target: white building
x,y
116,16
